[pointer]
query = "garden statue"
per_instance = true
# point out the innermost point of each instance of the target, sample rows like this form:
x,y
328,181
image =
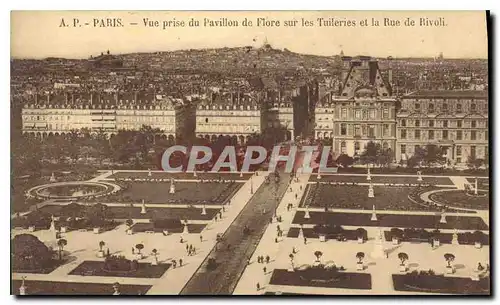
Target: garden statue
x,y
374,214
443,216
306,215
203,210
143,207
371,194
52,178
22,289
172,186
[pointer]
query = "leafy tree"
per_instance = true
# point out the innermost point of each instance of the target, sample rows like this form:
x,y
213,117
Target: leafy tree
x,y
139,247
449,258
61,243
474,163
360,256
318,255
29,253
371,153
345,160
403,257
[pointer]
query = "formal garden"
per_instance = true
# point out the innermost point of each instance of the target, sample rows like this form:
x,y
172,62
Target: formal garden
x,y
219,176
391,220
74,288
463,199
395,198
210,193
430,282
333,178
119,266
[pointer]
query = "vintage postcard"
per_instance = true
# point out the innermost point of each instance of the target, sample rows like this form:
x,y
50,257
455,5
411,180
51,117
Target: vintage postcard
x,y
250,153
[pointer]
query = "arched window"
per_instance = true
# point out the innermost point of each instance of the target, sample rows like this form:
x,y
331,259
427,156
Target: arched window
x,y
473,107
357,146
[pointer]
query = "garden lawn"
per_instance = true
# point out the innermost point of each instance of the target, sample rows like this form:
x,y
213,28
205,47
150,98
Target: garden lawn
x,y
95,268
392,220
71,288
347,280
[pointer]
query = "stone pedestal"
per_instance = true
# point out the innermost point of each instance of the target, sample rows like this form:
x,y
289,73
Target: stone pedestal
x,y
149,174
319,177
203,211
450,270
306,214
172,189
322,238
301,233
454,241
143,208
194,174
97,230
100,253
443,218
378,246
369,177
402,268
360,266
52,178
478,245
186,230
371,194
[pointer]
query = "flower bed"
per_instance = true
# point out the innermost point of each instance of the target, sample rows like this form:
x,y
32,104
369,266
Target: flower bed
x,y
71,288
319,277
440,284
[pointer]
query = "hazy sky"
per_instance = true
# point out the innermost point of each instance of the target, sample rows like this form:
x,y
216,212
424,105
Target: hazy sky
x,y
38,34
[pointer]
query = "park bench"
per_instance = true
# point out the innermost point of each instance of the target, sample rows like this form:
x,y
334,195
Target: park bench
x,y
150,232
82,230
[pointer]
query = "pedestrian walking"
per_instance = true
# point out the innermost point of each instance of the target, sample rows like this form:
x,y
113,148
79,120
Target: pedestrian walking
x,y
296,196
267,259
305,241
265,270
174,263
258,286
276,240
187,247
201,238
133,251
180,262
294,251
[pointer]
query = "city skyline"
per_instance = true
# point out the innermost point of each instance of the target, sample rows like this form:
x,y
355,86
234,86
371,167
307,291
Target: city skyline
x,y
38,35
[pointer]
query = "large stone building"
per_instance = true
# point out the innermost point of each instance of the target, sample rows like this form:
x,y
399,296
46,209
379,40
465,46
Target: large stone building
x,y
108,113
234,115
457,121
362,110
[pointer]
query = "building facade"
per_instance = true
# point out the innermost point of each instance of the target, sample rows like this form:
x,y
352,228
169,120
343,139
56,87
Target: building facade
x,y
457,121
362,110
106,113
228,115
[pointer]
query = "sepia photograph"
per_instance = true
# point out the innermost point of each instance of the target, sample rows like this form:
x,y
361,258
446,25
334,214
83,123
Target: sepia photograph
x,y
263,153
